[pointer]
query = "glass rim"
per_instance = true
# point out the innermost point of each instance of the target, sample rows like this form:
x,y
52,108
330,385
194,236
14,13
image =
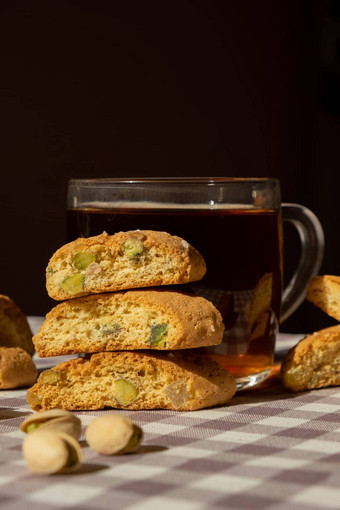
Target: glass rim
x,y
174,180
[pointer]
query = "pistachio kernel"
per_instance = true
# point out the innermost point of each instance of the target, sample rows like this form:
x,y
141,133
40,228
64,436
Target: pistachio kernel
x,y
83,259
73,284
134,441
33,399
49,377
132,247
124,392
158,333
111,329
32,426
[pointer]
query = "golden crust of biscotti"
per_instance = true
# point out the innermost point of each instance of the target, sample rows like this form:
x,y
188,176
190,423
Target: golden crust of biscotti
x,y
131,320
14,328
179,380
16,368
324,292
162,260
314,362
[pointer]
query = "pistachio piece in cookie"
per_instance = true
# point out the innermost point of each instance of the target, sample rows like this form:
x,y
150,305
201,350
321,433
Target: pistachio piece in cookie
x,y
83,259
49,376
110,329
124,392
33,399
158,333
73,284
132,247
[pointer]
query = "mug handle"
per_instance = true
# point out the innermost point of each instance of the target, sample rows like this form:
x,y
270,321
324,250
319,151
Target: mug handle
x,y
312,248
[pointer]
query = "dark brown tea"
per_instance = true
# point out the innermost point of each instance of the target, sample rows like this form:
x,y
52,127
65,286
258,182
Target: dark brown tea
x,y
242,248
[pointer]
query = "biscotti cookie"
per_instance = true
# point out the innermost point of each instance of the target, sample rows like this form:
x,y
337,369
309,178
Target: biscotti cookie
x,y
126,260
314,362
324,292
131,320
14,328
16,368
181,380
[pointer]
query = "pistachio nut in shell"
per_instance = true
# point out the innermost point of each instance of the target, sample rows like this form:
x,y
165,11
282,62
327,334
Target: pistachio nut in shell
x,y
53,419
51,451
113,434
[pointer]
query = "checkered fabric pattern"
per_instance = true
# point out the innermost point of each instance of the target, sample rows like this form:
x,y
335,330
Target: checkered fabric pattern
x,y
267,449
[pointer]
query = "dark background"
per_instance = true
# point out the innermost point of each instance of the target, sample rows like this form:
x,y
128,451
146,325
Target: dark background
x,y
195,88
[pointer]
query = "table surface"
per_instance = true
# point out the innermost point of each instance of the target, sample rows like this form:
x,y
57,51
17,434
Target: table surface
x,y
267,449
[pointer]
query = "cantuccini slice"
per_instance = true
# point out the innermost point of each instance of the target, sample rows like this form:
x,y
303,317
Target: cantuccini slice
x,y
14,328
314,362
324,292
131,320
17,368
180,380
125,260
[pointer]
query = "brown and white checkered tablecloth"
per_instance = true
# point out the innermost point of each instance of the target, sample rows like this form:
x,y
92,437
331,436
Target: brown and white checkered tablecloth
x,y
267,449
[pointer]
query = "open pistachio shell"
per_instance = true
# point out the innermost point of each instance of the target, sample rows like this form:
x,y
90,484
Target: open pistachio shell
x,y
51,451
113,434
54,419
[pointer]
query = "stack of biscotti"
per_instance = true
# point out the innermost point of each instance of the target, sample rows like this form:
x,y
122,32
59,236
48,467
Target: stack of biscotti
x,y
315,361
140,337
